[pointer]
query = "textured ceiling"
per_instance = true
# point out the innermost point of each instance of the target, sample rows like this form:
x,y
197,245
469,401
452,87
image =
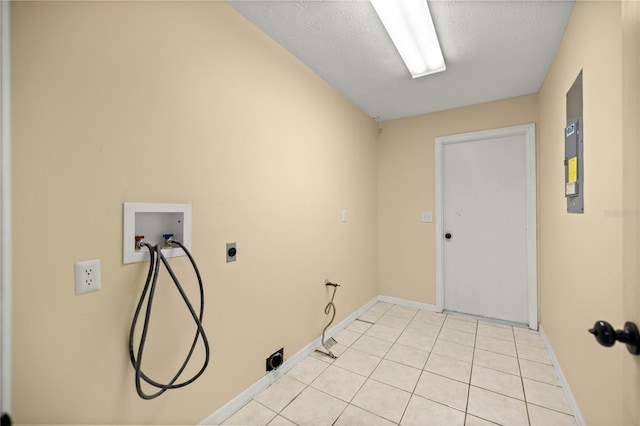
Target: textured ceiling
x,y
493,50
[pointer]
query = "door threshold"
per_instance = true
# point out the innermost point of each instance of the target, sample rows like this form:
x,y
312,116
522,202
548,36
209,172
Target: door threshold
x,y
487,319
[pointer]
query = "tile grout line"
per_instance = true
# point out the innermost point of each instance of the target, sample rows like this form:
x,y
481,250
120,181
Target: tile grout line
x,y
473,357
367,378
290,402
258,402
383,358
423,370
331,364
494,391
411,393
524,393
552,409
307,386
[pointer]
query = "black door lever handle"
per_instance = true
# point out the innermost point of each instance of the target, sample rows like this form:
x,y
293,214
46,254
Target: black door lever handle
x,y
448,236
607,336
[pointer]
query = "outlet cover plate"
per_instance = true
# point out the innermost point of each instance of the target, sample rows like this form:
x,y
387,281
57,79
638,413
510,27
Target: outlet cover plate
x,y
275,360
231,252
87,275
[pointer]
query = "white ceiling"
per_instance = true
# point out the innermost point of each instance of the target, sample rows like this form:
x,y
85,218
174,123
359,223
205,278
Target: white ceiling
x,y
493,50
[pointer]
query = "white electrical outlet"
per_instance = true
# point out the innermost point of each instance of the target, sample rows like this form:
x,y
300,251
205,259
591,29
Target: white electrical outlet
x,y
87,276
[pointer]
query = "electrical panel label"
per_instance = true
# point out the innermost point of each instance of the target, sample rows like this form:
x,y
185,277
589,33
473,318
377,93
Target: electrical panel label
x,y
572,175
570,130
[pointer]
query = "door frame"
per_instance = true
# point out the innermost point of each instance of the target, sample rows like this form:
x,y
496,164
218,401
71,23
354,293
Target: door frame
x,y
5,213
529,133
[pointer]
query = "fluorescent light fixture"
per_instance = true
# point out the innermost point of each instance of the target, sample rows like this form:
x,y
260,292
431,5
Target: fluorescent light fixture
x,y
411,29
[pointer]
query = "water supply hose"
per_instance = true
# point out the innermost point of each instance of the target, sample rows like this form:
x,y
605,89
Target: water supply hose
x,y
330,308
155,257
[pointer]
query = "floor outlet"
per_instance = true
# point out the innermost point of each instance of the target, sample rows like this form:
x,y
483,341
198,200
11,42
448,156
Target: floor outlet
x,y
87,276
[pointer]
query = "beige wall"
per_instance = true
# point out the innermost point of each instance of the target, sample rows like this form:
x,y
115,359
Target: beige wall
x,y
406,186
582,257
631,188
105,95
188,103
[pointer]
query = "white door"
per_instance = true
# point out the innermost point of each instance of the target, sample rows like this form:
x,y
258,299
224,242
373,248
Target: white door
x,y
485,224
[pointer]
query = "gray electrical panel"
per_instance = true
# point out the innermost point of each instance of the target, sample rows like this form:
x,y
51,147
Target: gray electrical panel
x,y
574,150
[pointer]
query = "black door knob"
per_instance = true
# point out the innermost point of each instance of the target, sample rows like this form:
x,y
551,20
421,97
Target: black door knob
x,y
606,335
447,236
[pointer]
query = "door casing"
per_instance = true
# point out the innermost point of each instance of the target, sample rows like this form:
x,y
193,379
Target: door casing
x,y
528,131
5,215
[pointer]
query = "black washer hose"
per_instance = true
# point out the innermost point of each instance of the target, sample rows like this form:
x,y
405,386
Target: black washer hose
x,y
155,256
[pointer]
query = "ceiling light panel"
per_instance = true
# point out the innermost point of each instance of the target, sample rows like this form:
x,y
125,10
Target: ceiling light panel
x,y
411,29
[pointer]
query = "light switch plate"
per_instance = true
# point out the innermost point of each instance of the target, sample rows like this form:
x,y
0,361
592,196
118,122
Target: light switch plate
x,y
427,216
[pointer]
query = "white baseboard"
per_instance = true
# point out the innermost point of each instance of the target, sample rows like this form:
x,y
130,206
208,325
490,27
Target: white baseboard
x,y
408,303
254,390
577,415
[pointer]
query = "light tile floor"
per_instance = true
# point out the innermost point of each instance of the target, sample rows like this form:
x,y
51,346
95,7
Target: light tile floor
x,y
404,366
